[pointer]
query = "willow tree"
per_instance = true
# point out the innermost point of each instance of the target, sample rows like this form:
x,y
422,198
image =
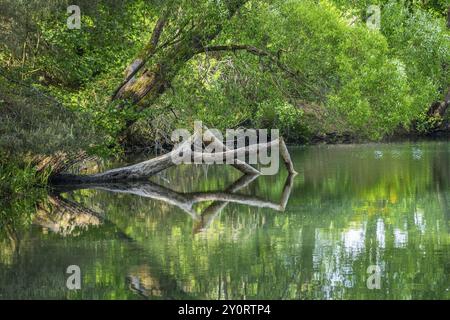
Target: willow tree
x,y
300,66
183,30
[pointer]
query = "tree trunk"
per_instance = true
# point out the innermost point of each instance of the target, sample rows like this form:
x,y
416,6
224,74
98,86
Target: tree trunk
x,y
439,108
143,83
448,18
146,169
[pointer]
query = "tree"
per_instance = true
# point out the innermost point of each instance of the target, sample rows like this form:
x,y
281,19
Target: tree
x,y
179,33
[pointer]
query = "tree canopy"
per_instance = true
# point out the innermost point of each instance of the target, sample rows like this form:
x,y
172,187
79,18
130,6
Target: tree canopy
x,y
138,69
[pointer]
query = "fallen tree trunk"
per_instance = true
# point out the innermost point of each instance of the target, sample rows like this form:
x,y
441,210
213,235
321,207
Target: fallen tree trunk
x,y
146,169
240,165
139,171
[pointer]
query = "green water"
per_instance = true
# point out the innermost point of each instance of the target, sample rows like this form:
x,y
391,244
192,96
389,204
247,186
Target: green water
x,y
350,207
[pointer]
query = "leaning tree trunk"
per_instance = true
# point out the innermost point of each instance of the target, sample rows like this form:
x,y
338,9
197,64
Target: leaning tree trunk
x,y
152,72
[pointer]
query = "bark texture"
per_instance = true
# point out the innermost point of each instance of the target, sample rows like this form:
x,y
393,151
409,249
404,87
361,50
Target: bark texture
x,y
146,169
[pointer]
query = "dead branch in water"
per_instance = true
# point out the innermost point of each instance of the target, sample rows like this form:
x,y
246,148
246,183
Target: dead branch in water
x,y
148,168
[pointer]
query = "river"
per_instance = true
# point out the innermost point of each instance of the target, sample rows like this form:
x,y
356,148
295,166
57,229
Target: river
x,y
366,221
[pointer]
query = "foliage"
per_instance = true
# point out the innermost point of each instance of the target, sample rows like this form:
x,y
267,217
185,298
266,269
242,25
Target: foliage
x,y
418,40
374,80
32,123
320,56
281,114
16,180
306,67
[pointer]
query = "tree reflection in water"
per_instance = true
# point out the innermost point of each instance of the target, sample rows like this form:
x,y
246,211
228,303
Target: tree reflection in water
x,y
348,209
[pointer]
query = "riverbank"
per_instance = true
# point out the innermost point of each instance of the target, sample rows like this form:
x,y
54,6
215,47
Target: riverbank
x,y
335,138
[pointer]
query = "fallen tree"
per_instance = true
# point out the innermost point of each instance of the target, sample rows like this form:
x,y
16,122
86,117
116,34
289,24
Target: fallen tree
x,y
148,168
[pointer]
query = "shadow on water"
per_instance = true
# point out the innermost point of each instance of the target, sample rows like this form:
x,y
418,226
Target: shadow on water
x,y
207,232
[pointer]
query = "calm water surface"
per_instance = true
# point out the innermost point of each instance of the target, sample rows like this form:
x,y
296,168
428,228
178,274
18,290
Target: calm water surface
x,y
349,208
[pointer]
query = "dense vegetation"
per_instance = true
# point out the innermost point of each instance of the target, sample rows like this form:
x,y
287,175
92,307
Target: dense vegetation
x,y
137,69
313,69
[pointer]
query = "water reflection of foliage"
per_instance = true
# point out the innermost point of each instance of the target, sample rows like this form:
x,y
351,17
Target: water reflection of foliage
x,y
257,253
16,214
328,236
343,216
64,217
